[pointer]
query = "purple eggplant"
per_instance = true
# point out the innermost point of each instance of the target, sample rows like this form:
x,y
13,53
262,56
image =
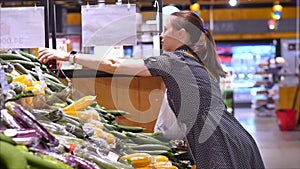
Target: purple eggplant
x,y
18,112
21,132
23,136
27,140
10,121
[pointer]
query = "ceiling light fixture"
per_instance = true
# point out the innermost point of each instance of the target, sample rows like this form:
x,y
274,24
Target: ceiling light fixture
x,y
232,2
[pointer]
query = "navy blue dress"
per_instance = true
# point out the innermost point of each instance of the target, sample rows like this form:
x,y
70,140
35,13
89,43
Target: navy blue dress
x,y
215,138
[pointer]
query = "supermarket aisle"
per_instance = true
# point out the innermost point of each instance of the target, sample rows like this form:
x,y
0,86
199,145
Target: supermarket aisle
x,y
279,150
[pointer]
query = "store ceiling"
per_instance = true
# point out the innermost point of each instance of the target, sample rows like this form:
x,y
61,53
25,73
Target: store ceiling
x,y
73,3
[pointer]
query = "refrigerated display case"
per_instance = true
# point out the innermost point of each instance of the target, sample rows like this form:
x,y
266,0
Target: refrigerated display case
x,y
242,59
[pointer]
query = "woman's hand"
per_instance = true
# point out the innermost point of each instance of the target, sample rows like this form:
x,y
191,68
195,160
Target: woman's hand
x,y
46,54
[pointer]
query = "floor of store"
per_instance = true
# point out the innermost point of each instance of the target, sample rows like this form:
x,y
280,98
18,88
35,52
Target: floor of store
x,y
279,149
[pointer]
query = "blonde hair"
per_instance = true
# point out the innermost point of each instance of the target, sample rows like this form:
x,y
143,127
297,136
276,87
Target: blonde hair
x,y
201,40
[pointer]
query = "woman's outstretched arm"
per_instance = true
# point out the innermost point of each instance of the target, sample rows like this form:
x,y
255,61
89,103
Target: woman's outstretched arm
x,y
106,64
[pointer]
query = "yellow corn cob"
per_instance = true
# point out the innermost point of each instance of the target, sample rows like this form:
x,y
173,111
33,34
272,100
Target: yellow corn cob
x,y
146,167
129,156
160,158
141,161
80,104
24,79
159,164
86,115
166,167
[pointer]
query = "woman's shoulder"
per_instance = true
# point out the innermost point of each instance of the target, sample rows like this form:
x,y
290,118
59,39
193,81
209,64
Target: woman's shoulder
x,y
174,54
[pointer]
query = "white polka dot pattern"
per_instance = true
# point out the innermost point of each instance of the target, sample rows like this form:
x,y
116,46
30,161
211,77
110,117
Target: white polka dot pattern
x,y
215,138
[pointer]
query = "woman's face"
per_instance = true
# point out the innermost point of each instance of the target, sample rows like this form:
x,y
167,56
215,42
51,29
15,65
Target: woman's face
x,y
169,37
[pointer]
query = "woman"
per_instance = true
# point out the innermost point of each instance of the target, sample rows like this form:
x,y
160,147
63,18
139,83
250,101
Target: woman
x,y
190,70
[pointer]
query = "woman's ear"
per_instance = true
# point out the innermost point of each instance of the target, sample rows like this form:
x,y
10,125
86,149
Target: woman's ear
x,y
182,33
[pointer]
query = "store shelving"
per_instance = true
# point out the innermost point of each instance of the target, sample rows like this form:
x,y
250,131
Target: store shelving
x,y
264,102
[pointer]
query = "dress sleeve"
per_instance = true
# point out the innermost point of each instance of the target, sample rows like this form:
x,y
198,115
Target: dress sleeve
x,y
161,65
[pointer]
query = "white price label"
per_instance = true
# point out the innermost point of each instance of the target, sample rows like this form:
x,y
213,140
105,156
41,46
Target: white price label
x,y
18,31
113,156
109,25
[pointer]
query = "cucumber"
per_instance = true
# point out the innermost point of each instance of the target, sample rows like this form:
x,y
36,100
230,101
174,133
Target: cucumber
x,y
105,163
103,120
55,86
134,129
149,147
19,68
69,119
9,56
7,139
100,110
117,112
147,140
118,134
29,56
10,157
26,64
52,78
38,162
109,117
110,127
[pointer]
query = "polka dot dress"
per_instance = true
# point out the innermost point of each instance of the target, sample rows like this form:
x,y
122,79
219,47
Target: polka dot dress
x,y
215,138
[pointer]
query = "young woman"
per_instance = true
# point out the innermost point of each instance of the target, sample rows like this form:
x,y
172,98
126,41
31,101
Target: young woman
x,y
190,70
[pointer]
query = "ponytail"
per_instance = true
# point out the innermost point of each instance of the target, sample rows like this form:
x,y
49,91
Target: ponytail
x,y
205,49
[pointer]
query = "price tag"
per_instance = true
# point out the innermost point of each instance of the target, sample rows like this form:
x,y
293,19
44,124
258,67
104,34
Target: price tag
x,y
116,25
18,31
4,85
112,156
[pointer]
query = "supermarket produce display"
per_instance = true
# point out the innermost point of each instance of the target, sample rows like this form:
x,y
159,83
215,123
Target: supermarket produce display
x,y
42,127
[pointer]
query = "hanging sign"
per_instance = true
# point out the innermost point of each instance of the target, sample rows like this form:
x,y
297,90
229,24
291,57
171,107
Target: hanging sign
x,y
22,27
108,25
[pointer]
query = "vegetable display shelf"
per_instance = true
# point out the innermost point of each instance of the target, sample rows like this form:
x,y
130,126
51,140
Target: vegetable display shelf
x,y
48,123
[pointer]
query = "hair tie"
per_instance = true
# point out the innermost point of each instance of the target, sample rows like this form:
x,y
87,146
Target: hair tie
x,y
203,29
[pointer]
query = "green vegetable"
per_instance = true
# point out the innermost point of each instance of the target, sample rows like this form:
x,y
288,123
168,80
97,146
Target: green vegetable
x,y
118,134
29,56
9,56
11,157
26,64
22,95
9,78
134,129
149,147
117,112
56,87
137,138
38,162
105,163
55,161
109,127
17,87
21,69
7,139
53,78
109,117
